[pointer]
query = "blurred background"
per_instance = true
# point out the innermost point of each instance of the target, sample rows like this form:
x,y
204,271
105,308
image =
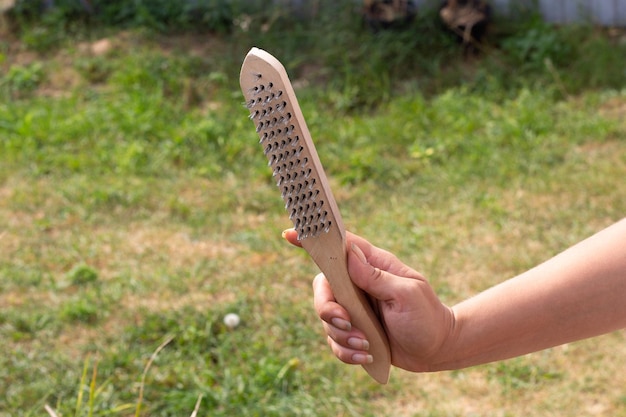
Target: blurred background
x,y
142,270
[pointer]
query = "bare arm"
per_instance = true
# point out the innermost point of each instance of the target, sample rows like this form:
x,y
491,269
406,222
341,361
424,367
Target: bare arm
x,y
578,294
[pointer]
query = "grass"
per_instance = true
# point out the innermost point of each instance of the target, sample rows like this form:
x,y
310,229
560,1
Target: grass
x,y
136,210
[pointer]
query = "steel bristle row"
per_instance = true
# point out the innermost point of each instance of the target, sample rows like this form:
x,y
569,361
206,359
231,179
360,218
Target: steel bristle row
x,y
289,160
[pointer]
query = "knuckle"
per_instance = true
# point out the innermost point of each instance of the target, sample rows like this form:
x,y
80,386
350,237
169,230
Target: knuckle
x,y
376,274
341,353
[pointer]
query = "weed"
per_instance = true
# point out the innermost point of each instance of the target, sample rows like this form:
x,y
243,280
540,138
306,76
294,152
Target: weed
x,y
20,81
532,45
597,51
44,37
95,70
80,310
82,275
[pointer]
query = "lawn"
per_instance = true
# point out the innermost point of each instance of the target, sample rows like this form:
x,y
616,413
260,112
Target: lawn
x,y
137,210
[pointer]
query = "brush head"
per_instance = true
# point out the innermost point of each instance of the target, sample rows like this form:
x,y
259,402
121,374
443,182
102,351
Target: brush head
x,y
287,144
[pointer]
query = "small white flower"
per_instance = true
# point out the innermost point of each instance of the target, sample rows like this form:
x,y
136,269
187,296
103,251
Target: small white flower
x,y
232,320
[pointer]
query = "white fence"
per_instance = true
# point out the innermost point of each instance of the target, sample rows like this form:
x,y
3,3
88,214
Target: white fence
x,y
599,12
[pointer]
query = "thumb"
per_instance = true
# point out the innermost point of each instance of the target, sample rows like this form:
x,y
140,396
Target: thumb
x,y
374,281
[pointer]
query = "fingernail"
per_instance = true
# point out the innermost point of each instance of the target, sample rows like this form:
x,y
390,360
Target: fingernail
x,y
341,324
361,358
357,343
358,252
284,234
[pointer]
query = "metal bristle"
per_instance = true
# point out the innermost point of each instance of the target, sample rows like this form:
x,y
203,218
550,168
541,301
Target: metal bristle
x,y
279,135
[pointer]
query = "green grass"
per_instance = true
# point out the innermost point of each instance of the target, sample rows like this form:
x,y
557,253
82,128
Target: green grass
x,y
136,210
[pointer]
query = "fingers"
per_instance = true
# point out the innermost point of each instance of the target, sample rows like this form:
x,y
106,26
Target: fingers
x,y
380,258
349,356
347,343
372,280
291,235
325,305
382,284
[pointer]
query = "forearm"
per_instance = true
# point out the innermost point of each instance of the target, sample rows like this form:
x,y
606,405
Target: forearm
x,y
578,294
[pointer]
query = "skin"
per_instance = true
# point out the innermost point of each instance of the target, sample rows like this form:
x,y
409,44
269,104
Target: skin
x,y
578,294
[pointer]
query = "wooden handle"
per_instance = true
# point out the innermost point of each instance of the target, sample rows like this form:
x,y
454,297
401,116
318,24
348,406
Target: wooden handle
x,y
329,253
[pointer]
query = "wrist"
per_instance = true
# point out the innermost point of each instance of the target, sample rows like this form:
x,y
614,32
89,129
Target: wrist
x,y
444,357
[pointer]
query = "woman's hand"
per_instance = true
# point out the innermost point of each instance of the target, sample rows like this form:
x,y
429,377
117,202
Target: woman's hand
x,y
417,323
